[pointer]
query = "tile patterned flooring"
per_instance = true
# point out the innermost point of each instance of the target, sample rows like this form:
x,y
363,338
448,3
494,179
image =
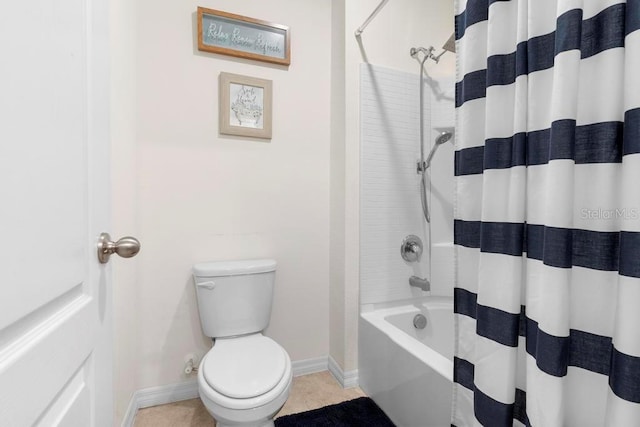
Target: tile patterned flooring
x,y
307,392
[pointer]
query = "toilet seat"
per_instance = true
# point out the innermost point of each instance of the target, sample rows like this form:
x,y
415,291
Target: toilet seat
x,y
216,388
244,367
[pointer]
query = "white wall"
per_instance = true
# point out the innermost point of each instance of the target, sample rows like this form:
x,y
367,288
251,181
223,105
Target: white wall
x,y
196,195
339,334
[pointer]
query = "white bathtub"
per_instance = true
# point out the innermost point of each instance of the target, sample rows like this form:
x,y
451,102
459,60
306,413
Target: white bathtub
x,y
409,372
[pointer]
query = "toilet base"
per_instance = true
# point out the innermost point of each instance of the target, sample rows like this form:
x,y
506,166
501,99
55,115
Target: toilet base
x,y
267,424
264,422
261,416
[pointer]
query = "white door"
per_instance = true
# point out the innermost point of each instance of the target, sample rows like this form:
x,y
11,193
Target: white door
x,y
55,313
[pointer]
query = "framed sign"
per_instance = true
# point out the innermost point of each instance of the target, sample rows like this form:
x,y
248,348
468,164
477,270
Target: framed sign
x,y
245,106
235,35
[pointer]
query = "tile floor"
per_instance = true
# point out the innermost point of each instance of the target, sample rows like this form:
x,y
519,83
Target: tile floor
x,y
307,392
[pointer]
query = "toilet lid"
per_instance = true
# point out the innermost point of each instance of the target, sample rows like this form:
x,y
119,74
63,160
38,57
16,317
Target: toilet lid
x,y
244,367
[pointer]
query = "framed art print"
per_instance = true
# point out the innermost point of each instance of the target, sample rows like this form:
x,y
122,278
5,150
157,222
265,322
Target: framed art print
x,y
245,106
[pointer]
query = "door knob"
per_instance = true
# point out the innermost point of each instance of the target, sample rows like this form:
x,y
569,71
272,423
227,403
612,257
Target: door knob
x,y
126,247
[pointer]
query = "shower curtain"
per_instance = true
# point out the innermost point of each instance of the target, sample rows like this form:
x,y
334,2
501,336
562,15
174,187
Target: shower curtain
x,y
547,213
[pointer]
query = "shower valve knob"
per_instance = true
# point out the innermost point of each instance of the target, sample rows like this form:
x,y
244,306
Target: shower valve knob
x,y
411,248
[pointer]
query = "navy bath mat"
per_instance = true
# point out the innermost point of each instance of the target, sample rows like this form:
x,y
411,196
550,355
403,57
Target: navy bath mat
x,y
361,412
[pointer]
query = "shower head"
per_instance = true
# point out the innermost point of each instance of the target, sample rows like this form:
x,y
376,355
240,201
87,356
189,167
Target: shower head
x,y
450,44
441,139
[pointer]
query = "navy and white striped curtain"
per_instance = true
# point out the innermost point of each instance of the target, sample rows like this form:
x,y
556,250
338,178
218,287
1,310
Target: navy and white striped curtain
x,y
547,216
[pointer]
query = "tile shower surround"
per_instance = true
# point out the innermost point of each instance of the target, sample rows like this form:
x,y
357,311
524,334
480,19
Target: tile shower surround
x,y
390,187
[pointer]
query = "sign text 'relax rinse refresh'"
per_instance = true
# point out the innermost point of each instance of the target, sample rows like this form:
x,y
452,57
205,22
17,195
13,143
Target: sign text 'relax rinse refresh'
x,y
222,32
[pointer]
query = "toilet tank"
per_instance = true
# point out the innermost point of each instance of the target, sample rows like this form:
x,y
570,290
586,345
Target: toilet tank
x,y
234,297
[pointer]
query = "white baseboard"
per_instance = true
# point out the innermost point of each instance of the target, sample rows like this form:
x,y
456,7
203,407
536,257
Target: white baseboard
x,y
346,379
161,395
309,366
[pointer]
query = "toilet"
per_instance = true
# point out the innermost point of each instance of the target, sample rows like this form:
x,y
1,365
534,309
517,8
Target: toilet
x,y
245,378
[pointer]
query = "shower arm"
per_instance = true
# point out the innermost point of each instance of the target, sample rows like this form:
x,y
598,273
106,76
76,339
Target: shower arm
x,y
437,57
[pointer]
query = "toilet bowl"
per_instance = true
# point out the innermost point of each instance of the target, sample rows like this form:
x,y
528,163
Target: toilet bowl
x,y
244,380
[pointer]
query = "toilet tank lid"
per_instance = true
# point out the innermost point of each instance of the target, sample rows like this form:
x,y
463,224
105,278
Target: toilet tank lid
x,y
234,268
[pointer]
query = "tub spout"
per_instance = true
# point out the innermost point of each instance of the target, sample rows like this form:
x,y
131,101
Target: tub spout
x,y
420,283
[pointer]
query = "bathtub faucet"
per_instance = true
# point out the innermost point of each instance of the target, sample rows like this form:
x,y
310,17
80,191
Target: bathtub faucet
x,y
417,282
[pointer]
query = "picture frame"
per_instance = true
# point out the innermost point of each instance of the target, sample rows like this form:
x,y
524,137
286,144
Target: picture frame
x,y
243,37
245,106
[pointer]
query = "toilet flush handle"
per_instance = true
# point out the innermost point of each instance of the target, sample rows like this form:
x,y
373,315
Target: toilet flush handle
x,y
207,285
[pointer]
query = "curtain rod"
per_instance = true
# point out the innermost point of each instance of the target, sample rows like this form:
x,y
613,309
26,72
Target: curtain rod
x,y
373,15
